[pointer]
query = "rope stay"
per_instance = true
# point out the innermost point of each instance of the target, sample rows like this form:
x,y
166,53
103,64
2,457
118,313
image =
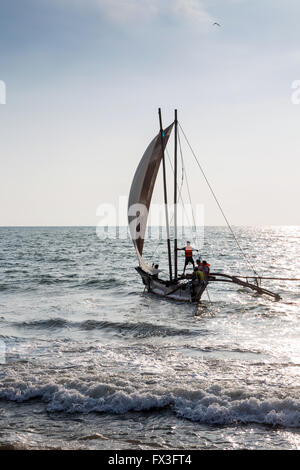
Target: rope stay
x,y
179,197
180,194
194,231
218,203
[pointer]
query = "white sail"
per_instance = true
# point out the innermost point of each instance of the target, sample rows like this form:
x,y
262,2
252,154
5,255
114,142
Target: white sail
x,y
141,193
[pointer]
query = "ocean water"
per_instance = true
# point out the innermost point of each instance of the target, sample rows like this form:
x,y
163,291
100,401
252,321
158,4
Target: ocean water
x,y
90,361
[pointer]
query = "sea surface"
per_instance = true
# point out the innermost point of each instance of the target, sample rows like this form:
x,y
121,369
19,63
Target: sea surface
x,y
88,360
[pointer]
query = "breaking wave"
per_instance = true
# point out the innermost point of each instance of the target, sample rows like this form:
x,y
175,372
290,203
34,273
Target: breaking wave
x,y
207,407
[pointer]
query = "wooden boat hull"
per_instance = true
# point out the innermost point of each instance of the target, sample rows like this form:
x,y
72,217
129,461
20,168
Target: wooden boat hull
x,y
179,291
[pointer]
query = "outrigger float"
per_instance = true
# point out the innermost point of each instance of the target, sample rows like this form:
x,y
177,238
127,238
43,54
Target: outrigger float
x,y
178,288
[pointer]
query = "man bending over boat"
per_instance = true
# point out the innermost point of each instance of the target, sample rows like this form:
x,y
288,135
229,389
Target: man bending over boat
x,y
188,250
197,278
198,275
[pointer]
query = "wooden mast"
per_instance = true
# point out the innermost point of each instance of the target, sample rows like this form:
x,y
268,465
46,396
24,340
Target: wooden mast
x,y
165,194
175,197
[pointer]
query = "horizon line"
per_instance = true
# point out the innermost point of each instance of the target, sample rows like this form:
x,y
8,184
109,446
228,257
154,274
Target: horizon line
x,y
150,226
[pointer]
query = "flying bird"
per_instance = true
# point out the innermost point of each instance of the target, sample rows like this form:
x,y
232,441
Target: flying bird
x,y
216,24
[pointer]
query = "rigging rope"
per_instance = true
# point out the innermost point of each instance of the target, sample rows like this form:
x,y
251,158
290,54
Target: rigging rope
x,y
188,189
218,203
179,193
179,197
183,174
194,231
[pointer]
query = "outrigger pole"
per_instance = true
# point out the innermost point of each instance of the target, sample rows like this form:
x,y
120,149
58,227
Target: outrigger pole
x,y
220,277
270,278
165,194
175,197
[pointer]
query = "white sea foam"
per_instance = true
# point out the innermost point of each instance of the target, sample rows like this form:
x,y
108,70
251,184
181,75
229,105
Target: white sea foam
x,y
116,380
272,411
210,406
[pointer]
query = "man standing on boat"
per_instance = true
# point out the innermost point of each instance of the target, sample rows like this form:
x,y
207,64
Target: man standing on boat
x,y
188,250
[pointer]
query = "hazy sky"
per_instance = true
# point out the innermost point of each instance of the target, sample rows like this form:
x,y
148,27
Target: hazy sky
x,y
84,80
